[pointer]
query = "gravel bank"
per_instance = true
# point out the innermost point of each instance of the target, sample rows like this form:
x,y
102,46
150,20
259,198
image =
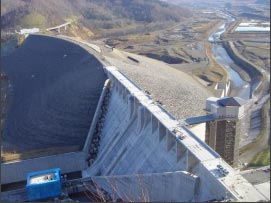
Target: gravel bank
x,y
181,94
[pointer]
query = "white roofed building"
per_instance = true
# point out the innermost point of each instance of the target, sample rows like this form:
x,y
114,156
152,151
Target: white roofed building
x,y
28,31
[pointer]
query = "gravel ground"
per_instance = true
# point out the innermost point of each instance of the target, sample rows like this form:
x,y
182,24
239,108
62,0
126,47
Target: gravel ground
x,y
180,93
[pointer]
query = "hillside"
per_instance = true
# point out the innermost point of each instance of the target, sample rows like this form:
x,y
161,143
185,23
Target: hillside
x,y
95,15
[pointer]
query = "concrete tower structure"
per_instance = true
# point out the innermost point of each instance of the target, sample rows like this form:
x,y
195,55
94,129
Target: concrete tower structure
x,y
223,133
223,136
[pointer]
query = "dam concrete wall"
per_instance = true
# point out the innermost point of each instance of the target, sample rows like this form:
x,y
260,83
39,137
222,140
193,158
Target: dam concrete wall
x,y
17,171
141,141
138,138
141,137
178,186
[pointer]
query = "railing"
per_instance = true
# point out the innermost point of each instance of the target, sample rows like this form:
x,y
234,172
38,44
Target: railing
x,y
203,144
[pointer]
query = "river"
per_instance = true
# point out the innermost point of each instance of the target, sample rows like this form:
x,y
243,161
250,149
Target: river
x,y
239,87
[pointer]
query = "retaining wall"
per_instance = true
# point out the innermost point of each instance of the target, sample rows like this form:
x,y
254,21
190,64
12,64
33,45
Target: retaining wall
x,y
169,187
68,162
17,171
253,71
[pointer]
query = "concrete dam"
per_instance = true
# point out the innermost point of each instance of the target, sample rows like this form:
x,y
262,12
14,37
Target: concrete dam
x,y
142,149
135,150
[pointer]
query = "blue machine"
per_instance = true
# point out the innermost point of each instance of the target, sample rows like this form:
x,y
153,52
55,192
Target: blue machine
x,y
43,184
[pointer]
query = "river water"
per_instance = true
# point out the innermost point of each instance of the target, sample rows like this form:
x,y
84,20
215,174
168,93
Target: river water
x,y
242,88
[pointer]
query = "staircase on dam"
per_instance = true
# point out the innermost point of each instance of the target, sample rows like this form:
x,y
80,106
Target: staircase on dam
x,y
136,139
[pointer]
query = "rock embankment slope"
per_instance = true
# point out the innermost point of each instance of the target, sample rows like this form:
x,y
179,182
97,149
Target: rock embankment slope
x,y
62,85
56,87
181,95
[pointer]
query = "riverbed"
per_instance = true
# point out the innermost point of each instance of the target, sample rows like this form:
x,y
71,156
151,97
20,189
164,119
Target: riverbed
x,y
239,86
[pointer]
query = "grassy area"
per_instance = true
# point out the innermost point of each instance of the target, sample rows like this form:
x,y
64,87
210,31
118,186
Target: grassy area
x,y
79,31
261,159
256,53
33,20
260,137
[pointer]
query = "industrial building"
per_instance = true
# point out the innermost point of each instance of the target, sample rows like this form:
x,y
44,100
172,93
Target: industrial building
x,y
28,31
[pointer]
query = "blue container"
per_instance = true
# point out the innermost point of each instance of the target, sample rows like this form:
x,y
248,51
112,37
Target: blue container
x,y
43,184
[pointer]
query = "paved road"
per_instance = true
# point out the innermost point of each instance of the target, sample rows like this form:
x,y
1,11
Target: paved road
x,y
257,176
260,178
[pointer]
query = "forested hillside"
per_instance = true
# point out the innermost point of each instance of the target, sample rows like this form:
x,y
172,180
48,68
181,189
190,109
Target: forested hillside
x,y
94,14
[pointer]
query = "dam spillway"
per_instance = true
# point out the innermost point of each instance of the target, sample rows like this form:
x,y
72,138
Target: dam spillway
x,y
56,86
